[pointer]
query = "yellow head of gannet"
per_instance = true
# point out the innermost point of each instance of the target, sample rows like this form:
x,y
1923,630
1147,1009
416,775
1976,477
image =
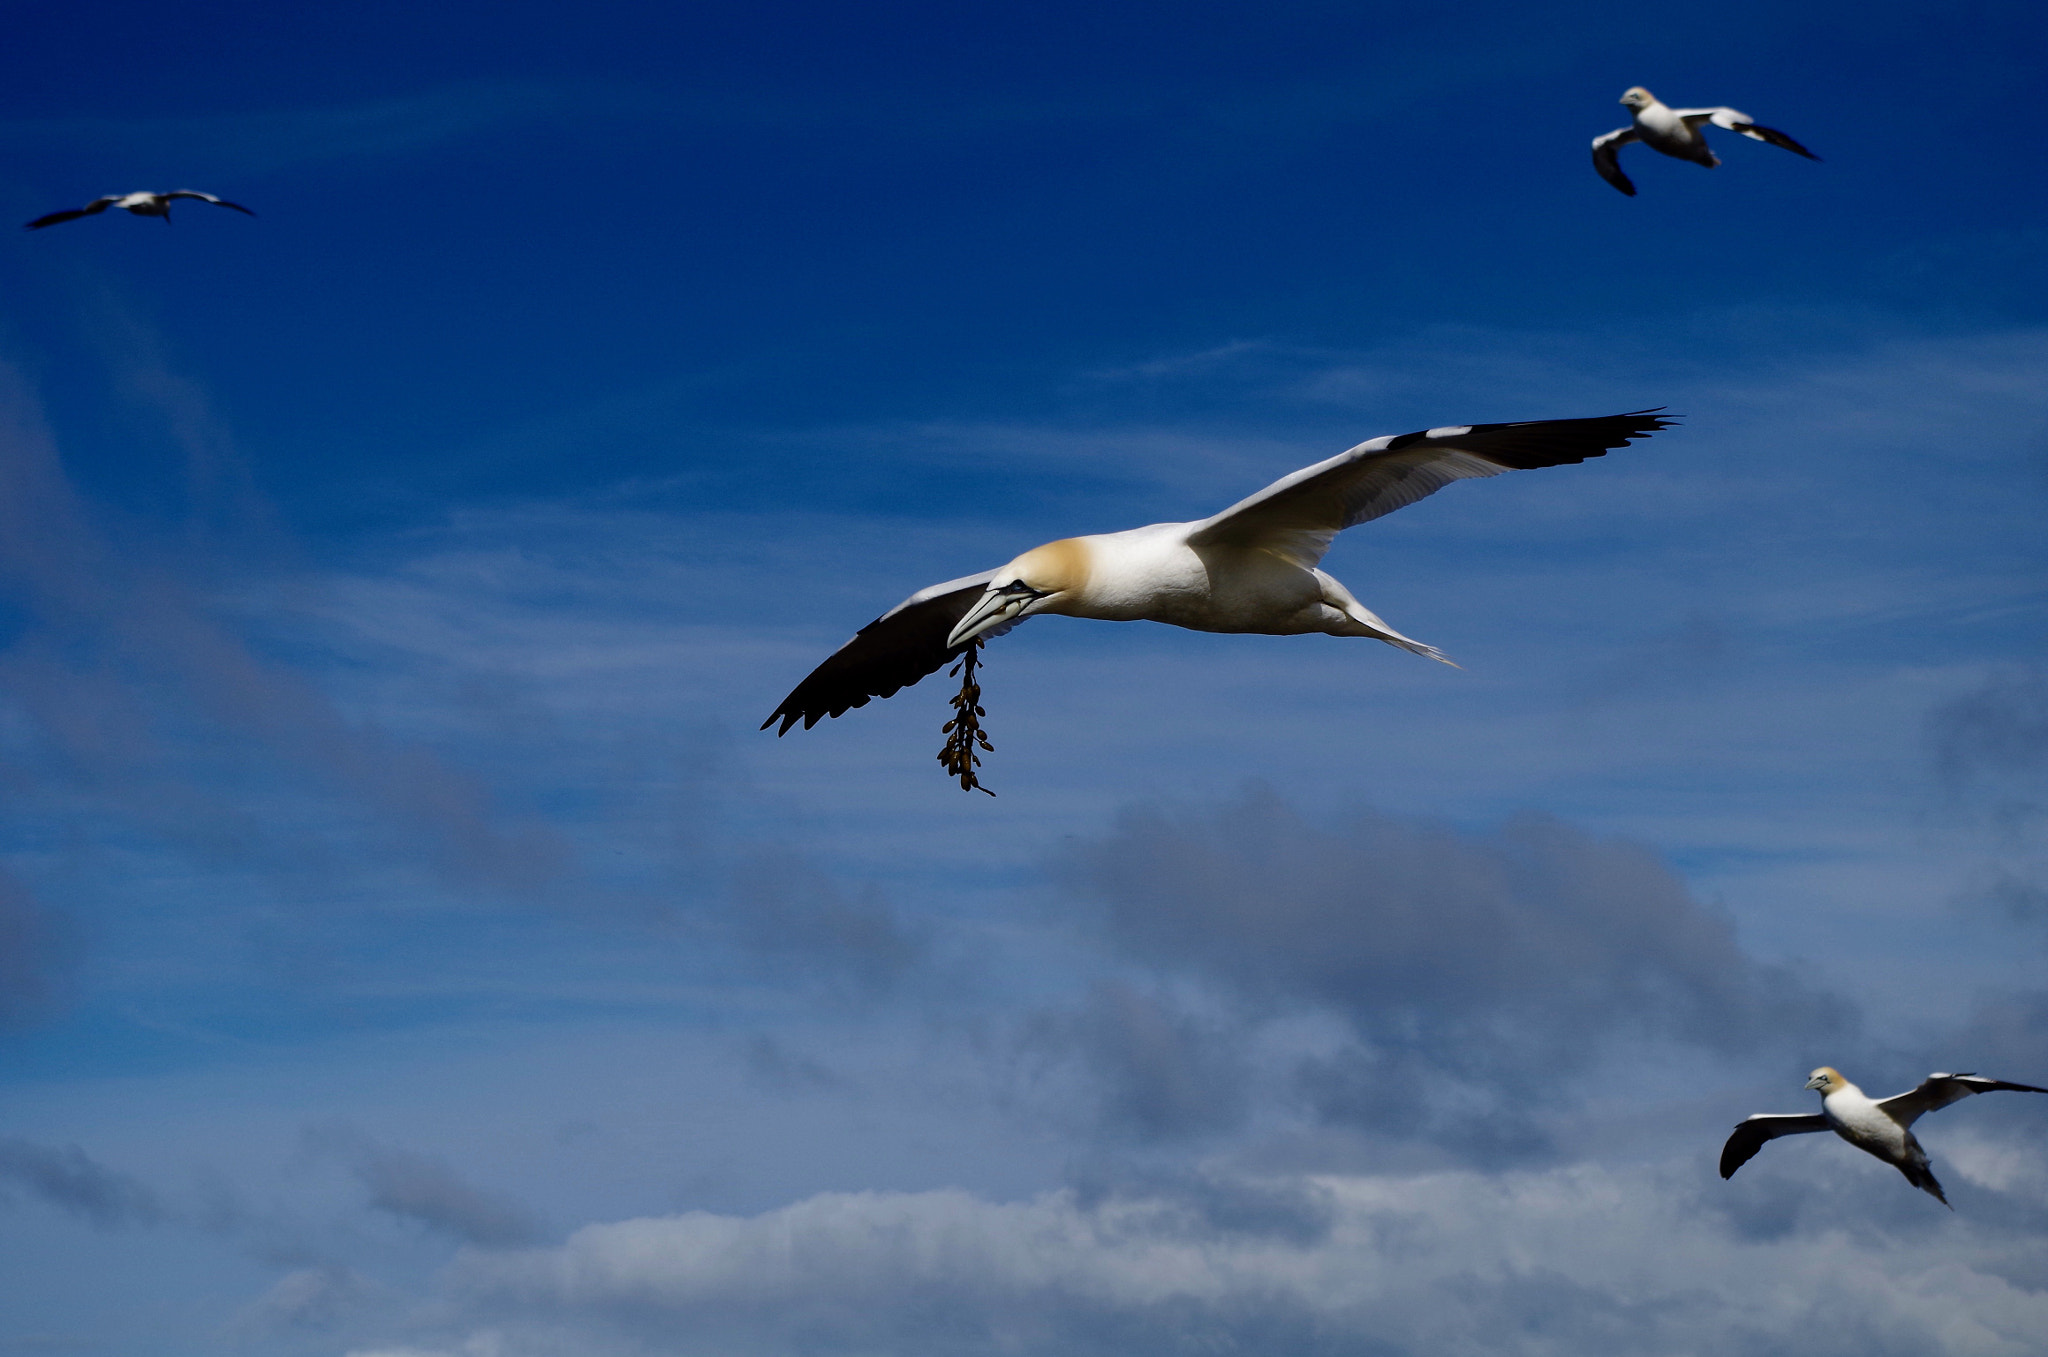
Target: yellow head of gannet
x,y
1635,98
1045,579
1826,1080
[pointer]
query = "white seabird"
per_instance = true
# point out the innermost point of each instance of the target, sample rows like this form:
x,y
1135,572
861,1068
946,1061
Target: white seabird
x,y
141,204
1879,1127
1251,568
1676,132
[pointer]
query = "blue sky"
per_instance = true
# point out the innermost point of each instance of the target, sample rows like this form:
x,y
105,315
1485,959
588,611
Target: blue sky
x,y
410,948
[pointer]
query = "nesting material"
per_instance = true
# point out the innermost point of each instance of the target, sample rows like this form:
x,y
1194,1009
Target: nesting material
x,y
964,735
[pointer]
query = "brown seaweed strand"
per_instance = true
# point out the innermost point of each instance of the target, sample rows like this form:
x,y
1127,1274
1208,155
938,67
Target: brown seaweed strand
x,y
963,733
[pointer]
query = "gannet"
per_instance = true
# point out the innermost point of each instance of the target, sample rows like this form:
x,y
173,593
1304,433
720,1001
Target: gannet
x,y
1251,568
1676,132
1882,1128
141,204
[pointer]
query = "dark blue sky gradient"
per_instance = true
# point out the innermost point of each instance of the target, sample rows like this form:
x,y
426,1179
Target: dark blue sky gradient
x,y
785,215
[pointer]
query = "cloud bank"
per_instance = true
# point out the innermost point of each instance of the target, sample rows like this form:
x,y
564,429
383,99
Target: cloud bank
x,y
1541,1264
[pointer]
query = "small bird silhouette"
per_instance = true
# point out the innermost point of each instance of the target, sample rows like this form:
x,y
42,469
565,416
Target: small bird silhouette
x,y
1881,1127
141,204
1676,132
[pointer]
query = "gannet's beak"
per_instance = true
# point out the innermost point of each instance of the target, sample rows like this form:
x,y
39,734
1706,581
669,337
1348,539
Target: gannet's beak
x,y
993,609
1815,1082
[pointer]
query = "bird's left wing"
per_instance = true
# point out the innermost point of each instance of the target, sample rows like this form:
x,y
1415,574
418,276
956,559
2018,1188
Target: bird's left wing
x,y
1751,1133
1607,157
206,198
1297,516
73,214
890,653
1733,121
1937,1091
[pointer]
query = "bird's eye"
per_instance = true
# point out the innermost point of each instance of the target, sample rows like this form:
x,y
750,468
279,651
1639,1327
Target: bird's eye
x,y
1016,587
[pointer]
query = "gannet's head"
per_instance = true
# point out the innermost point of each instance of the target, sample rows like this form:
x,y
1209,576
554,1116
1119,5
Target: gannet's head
x,y
1040,580
1636,99
1826,1080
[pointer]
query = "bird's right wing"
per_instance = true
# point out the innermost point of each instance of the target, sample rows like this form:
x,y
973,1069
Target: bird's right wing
x,y
207,198
1733,121
1297,516
1607,157
890,653
1752,1132
1937,1091
73,214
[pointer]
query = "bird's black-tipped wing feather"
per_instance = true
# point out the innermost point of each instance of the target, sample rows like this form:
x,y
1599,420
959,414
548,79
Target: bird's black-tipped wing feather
x,y
1733,120
1758,132
73,214
888,654
1299,515
1751,1133
207,198
1937,1091
1607,158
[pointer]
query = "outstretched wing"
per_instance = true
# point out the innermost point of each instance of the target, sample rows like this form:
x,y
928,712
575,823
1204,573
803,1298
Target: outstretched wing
x,y
1299,515
1735,121
1607,157
1937,1091
1752,1132
890,653
206,198
73,214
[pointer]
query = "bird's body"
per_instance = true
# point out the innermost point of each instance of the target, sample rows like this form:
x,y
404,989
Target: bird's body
x,y
1664,129
1155,574
142,204
1858,1118
1251,568
1880,1127
1676,132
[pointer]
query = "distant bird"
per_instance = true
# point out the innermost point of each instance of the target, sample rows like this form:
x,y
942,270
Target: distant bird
x,y
1882,1128
1676,132
141,204
1251,568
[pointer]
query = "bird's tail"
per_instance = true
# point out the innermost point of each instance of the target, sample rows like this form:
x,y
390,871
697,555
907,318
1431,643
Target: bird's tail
x,y
1371,624
1414,647
1921,1177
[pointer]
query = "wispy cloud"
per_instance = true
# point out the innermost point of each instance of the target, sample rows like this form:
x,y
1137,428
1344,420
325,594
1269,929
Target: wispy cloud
x,y
68,1178
125,687
1159,1070
1990,751
797,917
423,1190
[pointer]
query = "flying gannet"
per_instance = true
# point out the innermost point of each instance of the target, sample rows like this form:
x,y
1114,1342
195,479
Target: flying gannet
x,y
1676,132
1251,568
141,204
1879,1127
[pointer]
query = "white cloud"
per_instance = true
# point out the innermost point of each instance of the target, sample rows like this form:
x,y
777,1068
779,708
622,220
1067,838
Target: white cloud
x,y
1583,1260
